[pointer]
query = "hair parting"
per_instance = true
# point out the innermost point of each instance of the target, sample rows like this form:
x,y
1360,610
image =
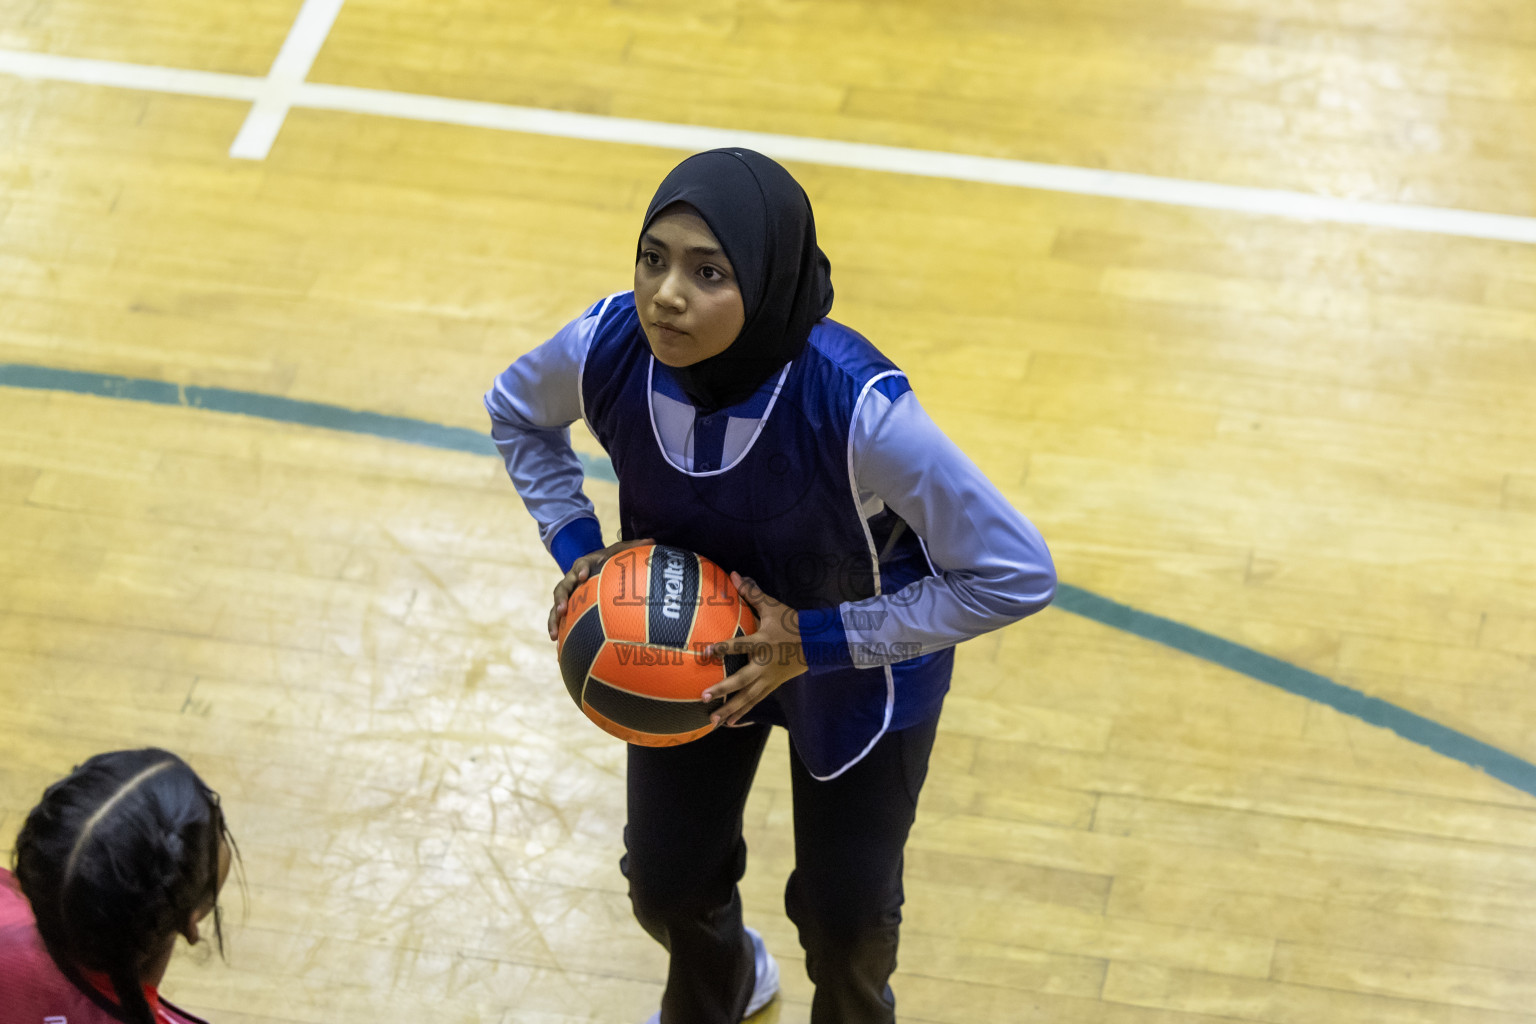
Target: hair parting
x,y
101,812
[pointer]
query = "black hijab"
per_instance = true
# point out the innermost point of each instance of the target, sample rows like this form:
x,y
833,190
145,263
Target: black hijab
x,y
763,221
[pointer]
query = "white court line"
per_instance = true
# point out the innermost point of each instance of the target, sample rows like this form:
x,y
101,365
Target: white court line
x,y
691,138
145,77
289,70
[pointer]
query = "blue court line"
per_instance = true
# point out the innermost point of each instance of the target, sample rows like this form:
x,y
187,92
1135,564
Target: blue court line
x,y
1504,766
268,407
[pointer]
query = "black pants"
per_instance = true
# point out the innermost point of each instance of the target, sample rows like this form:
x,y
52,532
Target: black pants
x,y
686,854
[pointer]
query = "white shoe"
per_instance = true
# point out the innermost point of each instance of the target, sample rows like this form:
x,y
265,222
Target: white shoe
x,y
766,985
767,968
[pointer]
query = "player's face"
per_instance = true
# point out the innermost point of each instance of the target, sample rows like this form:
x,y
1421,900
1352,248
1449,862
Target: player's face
x,y
190,930
685,290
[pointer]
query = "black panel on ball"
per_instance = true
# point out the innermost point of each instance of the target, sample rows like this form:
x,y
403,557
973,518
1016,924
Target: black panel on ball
x,y
579,651
672,596
647,714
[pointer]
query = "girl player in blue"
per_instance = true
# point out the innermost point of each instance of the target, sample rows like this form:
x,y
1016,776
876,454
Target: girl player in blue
x,y
746,426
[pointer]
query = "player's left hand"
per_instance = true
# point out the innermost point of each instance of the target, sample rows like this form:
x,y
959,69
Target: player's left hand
x,y
778,636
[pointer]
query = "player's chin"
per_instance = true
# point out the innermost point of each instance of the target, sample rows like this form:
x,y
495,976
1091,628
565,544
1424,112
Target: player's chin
x,y
669,356
671,348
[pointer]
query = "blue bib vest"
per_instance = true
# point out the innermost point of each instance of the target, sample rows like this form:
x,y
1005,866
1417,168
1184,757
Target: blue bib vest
x,y
785,513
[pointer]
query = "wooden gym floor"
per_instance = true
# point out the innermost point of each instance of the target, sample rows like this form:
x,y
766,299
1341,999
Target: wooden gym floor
x,y
1315,440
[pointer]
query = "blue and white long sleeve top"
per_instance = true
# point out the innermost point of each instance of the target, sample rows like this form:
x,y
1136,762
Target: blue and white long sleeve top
x,y
830,486
993,565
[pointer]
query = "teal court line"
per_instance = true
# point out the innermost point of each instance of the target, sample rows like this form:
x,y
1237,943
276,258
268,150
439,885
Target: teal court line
x,y
1500,764
268,407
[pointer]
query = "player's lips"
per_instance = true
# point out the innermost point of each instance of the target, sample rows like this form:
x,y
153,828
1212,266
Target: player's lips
x,y
667,329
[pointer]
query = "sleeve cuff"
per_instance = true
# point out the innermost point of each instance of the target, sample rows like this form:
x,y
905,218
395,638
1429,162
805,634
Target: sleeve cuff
x,y
576,538
824,640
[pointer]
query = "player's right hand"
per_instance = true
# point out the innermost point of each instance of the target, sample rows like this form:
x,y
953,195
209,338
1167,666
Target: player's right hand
x,y
581,570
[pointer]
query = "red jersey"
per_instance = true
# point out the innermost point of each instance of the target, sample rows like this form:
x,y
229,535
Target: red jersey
x,y
37,992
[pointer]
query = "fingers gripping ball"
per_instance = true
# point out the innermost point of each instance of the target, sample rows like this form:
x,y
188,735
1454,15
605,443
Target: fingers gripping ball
x,y
632,640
